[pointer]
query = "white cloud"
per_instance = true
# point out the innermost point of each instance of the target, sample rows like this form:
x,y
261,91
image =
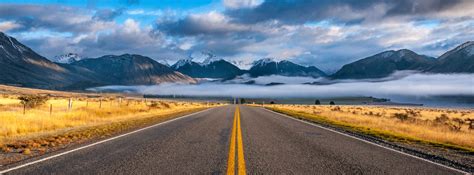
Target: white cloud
x,y
235,4
8,25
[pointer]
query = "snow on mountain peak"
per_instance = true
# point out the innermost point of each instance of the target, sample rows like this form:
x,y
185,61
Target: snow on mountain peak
x,y
263,62
67,58
163,62
242,64
205,57
181,63
209,60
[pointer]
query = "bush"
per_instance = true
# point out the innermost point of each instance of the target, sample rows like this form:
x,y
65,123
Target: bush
x,y
401,116
442,119
153,104
32,101
164,104
337,108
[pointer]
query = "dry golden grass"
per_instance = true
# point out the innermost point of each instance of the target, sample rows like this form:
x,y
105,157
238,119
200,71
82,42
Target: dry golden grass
x,y
446,127
16,124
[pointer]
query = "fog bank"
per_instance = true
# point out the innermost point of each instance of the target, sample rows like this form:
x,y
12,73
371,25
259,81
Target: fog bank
x,y
416,85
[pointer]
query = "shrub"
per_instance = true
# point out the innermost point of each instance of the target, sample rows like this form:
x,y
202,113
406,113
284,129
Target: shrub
x,y
332,103
164,104
32,101
442,119
401,116
459,123
153,104
337,108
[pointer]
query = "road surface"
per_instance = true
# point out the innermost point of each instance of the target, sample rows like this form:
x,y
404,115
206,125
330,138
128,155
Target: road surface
x,y
234,139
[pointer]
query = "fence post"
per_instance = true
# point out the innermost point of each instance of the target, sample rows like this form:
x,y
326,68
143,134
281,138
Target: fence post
x,y
100,103
50,110
24,108
69,104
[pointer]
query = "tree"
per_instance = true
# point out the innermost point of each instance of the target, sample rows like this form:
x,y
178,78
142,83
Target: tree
x,y
332,103
32,101
272,102
317,102
242,101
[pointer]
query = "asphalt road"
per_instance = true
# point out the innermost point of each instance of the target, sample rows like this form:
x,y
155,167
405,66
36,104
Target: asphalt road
x,y
255,142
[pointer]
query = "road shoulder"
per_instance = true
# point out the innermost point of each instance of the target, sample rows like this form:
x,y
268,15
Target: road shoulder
x,y
411,150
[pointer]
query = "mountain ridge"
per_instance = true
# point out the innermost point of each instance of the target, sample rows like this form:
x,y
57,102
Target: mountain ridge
x,y
268,66
21,66
383,64
211,69
457,60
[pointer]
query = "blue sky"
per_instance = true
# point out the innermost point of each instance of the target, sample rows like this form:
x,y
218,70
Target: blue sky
x,y
320,33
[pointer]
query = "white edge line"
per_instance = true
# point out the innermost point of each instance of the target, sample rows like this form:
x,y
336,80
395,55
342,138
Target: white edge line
x,y
97,143
366,141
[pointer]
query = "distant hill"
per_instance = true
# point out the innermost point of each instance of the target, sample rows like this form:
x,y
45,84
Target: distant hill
x,y
457,60
384,64
267,66
21,66
218,68
130,69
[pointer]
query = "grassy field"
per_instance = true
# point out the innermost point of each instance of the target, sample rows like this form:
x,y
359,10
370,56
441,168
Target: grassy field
x,y
62,120
448,128
55,114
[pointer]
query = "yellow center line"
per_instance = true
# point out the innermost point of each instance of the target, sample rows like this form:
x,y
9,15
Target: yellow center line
x,y
231,158
240,148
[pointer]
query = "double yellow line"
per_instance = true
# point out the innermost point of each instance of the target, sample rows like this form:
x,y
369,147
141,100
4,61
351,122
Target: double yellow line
x,y
236,136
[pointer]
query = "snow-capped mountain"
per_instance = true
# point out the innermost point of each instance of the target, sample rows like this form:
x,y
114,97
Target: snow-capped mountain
x,y
204,57
67,58
181,63
210,68
243,64
269,66
264,61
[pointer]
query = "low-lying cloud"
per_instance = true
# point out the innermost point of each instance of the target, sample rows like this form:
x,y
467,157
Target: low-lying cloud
x,y
417,85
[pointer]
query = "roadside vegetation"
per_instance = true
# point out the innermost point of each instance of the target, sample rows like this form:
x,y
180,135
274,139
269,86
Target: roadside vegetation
x,y
445,128
36,123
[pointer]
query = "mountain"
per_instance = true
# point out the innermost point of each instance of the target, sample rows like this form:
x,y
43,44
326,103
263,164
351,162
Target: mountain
x,y
243,64
210,68
67,58
458,60
384,64
286,68
21,66
129,69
